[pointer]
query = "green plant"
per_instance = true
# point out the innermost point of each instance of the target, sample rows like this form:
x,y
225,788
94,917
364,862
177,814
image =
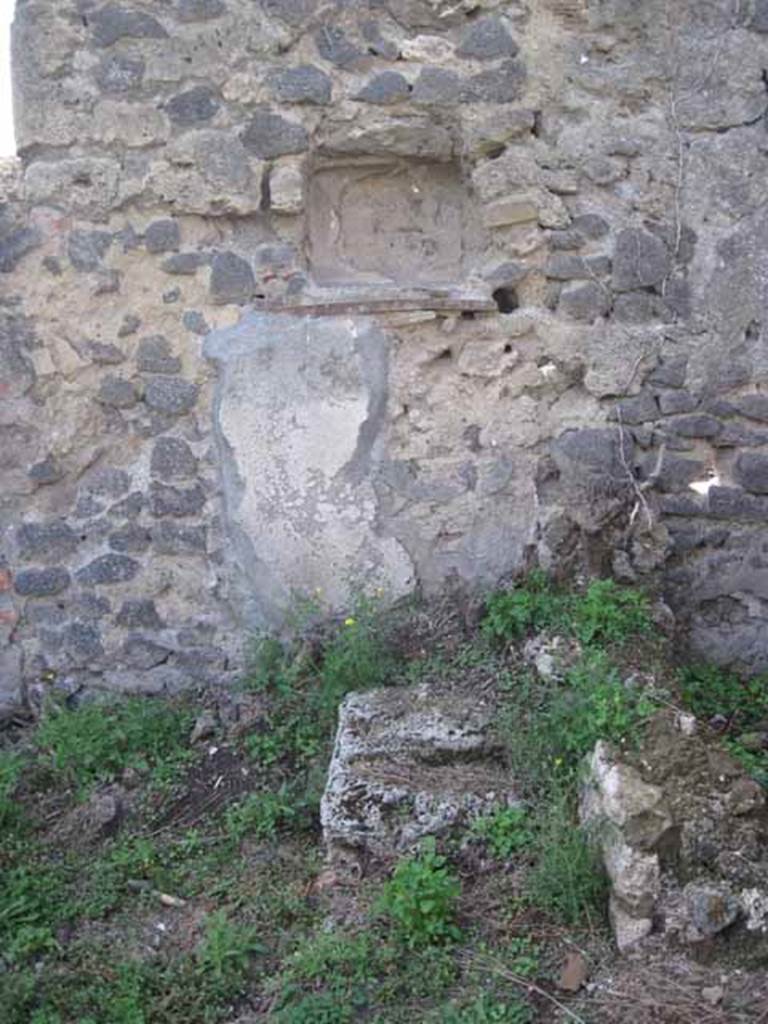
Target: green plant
x,y
98,741
10,770
567,878
421,898
609,613
260,814
533,605
709,690
486,1010
504,832
225,952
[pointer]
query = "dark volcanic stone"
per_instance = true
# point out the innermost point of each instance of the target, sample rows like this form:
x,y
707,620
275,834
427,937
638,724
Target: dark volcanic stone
x,y
591,225
733,503
675,402
641,409
195,322
751,471
15,245
118,393
154,355
142,653
503,84
584,301
269,135
200,10
437,85
759,21
105,355
754,407
113,22
41,582
185,263
170,395
303,84
670,372
130,539
195,106
641,260
139,612
109,569
696,425
173,501
487,39
119,73
292,12
387,87
333,46
232,278
171,539
46,540
172,458
162,236
82,642
46,472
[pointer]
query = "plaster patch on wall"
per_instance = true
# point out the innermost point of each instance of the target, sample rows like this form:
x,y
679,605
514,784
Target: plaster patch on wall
x,y
298,416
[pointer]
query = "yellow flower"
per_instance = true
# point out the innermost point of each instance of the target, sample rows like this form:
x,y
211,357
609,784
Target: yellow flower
x,y
349,622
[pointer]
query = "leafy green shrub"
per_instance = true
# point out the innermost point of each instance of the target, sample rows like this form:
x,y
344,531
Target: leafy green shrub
x,y
534,605
605,613
421,899
97,742
709,690
317,1008
504,832
609,613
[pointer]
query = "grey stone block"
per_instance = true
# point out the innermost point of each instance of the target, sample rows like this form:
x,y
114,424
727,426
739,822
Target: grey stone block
x,y
193,107
15,245
487,39
120,73
154,355
142,653
304,84
41,582
170,395
108,569
384,88
165,500
503,84
171,539
185,263
584,301
37,541
172,458
269,135
139,612
751,472
131,539
162,236
118,393
112,22
200,10
437,86
82,642
334,46
232,278
641,260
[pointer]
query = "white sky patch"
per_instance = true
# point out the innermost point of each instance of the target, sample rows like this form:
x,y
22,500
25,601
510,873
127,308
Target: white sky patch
x,y
7,140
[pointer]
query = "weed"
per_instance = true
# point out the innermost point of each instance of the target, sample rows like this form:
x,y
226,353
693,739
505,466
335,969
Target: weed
x,y
421,899
97,742
260,814
504,832
567,878
534,605
486,1010
224,954
709,690
609,614
606,613
10,770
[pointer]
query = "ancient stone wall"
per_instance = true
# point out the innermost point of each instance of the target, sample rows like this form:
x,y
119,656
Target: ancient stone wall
x,y
298,293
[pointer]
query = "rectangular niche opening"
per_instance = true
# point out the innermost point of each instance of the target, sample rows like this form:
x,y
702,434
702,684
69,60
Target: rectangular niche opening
x,y
388,225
